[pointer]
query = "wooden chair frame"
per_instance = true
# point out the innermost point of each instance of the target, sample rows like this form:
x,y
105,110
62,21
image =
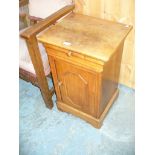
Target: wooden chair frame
x,y
30,36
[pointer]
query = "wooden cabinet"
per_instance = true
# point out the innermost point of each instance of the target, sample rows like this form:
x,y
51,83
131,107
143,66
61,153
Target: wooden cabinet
x,y
85,55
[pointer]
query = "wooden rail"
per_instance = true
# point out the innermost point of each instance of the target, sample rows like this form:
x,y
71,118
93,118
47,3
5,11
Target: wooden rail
x,y
32,44
23,2
32,31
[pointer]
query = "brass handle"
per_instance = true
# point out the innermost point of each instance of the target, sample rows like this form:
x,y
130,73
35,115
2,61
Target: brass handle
x,y
69,53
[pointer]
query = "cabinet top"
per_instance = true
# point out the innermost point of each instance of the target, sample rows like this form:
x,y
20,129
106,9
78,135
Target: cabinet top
x,y
87,35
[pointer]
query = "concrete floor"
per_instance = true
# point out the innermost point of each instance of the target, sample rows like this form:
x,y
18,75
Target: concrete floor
x,y
52,132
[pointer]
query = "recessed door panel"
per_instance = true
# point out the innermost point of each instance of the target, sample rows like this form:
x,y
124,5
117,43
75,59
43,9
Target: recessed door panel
x,y
77,87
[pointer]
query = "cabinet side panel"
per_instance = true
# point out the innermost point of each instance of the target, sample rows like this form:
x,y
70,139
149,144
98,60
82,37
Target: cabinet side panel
x,y
109,78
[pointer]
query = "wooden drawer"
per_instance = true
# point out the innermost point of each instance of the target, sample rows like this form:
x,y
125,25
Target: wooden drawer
x,y
75,58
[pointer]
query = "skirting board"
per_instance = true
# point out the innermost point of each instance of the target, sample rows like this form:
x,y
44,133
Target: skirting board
x,y
97,123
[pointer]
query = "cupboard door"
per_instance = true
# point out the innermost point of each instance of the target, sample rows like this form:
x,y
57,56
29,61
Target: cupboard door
x,y
77,87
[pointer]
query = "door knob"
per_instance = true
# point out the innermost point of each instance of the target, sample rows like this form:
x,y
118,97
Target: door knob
x,y
59,83
69,53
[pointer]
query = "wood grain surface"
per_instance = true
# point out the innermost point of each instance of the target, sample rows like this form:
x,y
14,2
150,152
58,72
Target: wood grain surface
x,y
121,11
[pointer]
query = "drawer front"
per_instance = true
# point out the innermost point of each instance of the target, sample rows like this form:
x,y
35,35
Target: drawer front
x,y
67,54
75,58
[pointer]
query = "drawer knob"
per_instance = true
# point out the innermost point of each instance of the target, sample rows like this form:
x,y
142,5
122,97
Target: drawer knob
x,y
69,53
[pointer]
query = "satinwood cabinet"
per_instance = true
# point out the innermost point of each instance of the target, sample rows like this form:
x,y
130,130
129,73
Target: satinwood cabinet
x,y
85,56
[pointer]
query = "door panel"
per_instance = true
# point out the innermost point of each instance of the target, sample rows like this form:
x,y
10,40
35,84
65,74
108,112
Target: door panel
x,y
72,81
77,87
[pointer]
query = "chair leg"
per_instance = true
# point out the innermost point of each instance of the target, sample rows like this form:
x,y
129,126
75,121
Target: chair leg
x,y
34,52
46,97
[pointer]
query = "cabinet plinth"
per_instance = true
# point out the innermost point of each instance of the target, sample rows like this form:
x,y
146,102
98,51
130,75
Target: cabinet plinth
x,y
85,57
